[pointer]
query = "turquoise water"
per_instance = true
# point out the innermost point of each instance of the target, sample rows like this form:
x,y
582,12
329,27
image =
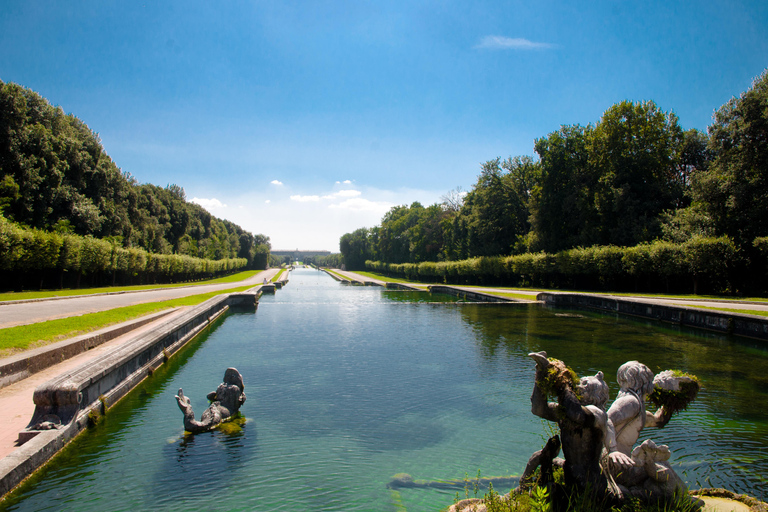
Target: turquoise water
x,y
348,386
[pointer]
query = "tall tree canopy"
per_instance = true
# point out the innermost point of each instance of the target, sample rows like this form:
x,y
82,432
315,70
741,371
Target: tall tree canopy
x,y
494,215
609,184
562,206
633,150
734,190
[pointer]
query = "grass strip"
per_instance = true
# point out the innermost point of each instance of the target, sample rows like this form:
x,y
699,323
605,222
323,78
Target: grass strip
x,y
22,337
729,310
45,294
512,295
345,278
380,277
384,278
277,276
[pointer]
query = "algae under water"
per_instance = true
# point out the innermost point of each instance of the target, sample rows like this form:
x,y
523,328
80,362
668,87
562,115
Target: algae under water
x,y
347,386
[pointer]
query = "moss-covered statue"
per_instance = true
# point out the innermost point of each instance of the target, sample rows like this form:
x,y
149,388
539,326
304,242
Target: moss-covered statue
x,y
225,402
587,436
599,447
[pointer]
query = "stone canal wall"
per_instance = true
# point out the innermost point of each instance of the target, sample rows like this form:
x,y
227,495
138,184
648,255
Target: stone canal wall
x,y
16,368
472,295
752,326
77,397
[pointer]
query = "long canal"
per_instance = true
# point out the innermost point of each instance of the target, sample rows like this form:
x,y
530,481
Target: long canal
x,y
349,386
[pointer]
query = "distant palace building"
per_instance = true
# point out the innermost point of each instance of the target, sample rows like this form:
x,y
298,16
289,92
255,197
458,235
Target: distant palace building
x,y
299,255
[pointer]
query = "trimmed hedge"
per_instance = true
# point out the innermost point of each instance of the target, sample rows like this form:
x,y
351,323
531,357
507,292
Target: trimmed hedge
x,y
32,252
659,266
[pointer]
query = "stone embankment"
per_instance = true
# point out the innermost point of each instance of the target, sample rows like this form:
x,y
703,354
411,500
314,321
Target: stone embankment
x,y
752,326
283,279
474,295
65,405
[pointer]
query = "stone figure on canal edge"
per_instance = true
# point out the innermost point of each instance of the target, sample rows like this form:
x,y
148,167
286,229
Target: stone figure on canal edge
x,y
226,401
600,456
587,436
650,477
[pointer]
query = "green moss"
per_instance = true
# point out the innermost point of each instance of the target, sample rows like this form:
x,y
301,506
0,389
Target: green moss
x,y
233,425
675,401
558,377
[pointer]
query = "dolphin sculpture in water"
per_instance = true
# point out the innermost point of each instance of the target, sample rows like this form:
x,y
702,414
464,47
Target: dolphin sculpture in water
x,y
226,401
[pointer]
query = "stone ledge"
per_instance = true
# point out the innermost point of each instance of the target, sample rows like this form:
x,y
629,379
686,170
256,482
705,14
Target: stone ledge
x,y
473,294
21,366
751,326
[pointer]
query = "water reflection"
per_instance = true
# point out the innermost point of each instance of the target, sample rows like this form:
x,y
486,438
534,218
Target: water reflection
x,y
202,462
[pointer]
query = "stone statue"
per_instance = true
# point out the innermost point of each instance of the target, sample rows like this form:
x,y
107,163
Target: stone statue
x,y
627,412
587,436
650,476
601,459
226,401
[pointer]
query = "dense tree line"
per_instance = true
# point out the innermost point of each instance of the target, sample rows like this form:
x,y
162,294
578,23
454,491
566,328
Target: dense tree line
x,y
55,176
632,179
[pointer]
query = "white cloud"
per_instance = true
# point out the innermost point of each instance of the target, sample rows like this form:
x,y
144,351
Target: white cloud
x,y
305,199
343,193
276,182
358,204
345,182
312,222
208,204
509,43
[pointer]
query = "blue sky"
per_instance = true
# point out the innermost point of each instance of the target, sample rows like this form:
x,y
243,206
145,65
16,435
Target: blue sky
x,y
307,120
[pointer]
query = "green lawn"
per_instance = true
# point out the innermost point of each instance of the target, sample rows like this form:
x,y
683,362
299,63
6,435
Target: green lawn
x,y
380,277
741,311
234,278
277,276
512,295
22,337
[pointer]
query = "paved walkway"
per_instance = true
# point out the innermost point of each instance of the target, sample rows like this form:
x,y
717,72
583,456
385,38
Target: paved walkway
x,y
16,399
30,312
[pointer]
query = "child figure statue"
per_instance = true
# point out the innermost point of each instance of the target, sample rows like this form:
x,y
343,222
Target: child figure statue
x,y
650,478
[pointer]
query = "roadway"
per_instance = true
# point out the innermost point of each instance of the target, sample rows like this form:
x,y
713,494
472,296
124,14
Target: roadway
x,y
33,311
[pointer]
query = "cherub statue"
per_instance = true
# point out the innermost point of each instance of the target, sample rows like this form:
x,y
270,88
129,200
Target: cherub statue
x,y
226,401
627,412
650,476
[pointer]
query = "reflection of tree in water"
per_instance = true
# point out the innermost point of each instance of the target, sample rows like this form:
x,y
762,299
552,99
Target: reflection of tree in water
x,y
203,465
506,329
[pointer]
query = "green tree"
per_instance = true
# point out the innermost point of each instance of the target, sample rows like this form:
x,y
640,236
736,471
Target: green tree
x,y
563,213
494,213
633,150
355,249
734,192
